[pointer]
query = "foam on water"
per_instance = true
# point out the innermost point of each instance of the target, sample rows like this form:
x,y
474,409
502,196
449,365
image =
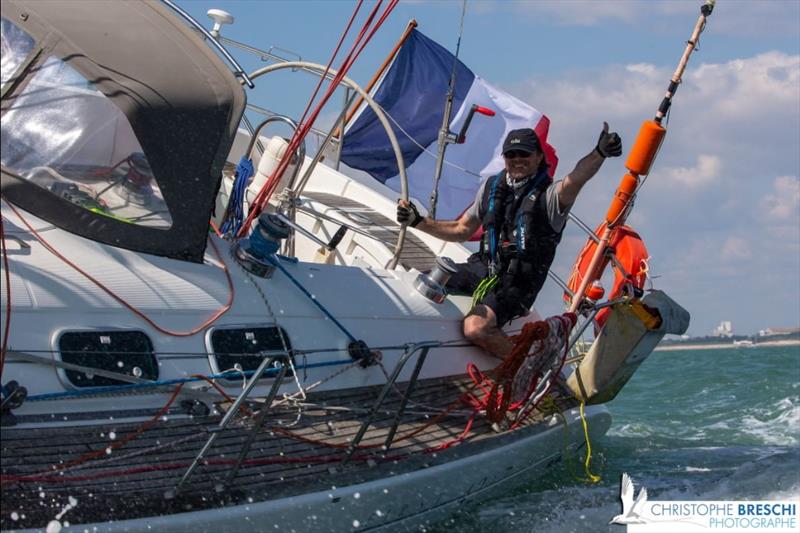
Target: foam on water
x,y
778,425
578,508
704,425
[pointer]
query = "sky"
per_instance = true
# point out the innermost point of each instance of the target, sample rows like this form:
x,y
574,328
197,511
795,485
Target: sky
x,y
720,211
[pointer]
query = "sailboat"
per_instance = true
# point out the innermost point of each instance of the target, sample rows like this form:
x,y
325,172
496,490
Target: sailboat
x,y
173,359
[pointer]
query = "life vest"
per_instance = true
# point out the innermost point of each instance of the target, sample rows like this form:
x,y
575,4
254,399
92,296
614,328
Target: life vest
x,y
519,238
631,255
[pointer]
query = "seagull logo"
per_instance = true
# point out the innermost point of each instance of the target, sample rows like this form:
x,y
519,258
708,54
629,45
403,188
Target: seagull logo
x,y
630,509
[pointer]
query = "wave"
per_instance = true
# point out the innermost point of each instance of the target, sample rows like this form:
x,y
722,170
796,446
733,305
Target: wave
x,y
558,504
777,423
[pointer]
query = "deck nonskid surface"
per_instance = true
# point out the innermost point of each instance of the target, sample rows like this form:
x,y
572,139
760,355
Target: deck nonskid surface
x,y
299,449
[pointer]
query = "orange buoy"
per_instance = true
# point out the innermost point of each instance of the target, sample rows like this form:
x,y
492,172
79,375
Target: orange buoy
x,y
645,148
627,186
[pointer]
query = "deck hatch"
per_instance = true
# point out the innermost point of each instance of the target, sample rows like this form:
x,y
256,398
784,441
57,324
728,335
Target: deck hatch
x,y
125,352
246,346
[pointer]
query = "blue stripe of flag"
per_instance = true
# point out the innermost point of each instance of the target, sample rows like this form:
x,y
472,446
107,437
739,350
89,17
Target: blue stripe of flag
x,y
413,93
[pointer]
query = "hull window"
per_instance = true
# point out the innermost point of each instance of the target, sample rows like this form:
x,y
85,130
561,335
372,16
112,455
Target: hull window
x,y
246,347
124,352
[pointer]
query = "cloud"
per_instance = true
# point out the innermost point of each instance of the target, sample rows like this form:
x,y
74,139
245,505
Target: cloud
x,y
704,173
783,203
747,88
721,205
735,248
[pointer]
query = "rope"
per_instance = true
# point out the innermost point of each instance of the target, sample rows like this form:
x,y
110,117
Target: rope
x,y
360,42
311,297
234,214
483,288
499,399
549,406
224,309
498,392
593,478
54,469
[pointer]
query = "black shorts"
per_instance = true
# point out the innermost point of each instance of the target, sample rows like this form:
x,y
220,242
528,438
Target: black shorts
x,y
507,299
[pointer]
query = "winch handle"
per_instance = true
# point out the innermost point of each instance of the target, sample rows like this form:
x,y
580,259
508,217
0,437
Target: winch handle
x,y
462,135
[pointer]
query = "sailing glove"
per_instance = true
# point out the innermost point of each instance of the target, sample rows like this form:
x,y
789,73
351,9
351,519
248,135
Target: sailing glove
x,y
609,144
408,214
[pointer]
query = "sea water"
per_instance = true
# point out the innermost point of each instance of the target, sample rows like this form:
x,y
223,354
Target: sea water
x,y
715,424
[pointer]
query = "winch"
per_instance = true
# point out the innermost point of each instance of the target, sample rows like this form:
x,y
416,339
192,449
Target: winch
x,y
432,285
264,241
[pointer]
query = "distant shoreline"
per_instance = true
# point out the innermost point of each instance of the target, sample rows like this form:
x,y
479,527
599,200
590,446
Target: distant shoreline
x,y
719,346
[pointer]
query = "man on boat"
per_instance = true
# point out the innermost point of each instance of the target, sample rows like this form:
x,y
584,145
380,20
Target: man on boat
x,y
523,214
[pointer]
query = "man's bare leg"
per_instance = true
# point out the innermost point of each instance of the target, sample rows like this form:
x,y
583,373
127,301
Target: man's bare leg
x,y
480,328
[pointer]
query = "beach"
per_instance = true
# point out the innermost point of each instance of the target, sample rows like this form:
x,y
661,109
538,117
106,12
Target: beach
x,y
719,346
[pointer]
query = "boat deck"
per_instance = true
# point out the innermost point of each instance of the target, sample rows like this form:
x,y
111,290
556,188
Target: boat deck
x,y
415,254
300,449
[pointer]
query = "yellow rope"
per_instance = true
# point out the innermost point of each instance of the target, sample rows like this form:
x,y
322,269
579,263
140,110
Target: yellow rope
x,y
548,406
592,478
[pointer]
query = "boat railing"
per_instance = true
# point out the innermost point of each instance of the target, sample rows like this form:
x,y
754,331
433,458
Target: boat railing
x,y
231,412
237,69
423,348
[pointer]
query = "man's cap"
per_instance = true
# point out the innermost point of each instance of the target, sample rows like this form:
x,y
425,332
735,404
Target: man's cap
x,y
524,140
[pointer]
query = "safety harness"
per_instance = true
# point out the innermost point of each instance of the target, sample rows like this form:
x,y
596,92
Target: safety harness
x,y
519,243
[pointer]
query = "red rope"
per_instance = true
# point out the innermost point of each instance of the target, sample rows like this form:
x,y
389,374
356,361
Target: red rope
x,y
330,61
46,476
498,392
130,307
269,187
522,416
499,399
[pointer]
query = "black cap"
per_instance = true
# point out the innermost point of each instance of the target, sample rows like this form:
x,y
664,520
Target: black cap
x,y
524,140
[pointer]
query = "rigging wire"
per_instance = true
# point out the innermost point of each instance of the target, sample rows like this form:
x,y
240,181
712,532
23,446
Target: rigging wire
x,y
358,46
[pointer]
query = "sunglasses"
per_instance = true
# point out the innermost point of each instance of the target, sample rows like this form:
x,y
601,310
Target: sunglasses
x,y
514,154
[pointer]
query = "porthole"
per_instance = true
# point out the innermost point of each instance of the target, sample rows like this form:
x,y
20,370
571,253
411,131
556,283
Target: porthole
x,y
246,347
123,352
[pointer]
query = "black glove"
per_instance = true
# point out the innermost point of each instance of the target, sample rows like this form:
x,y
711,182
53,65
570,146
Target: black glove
x,y
408,214
609,144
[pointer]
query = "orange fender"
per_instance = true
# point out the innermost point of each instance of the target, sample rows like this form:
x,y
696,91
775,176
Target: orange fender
x,y
631,254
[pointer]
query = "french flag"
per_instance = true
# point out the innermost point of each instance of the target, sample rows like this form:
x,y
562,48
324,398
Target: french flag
x,y
412,92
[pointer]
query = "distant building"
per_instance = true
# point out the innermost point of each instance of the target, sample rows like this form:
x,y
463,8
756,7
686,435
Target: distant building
x,y
723,330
